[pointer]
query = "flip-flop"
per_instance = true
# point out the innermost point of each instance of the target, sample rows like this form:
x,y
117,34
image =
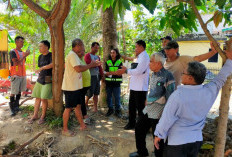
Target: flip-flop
x,y
30,121
41,121
68,133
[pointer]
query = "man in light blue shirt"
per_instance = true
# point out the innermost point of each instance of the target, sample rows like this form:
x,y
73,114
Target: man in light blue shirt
x,y
184,115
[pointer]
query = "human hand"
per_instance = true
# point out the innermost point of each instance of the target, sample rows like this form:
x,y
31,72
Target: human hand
x,y
27,52
156,142
38,71
121,71
95,63
108,73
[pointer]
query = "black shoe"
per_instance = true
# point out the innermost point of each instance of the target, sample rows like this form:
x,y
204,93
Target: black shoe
x,y
118,113
135,154
16,106
129,127
110,112
12,109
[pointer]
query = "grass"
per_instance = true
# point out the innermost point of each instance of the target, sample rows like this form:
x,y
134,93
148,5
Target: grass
x,y
52,121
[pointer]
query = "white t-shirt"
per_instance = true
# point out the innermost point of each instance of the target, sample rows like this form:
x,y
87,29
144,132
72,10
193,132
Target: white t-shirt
x,y
178,66
72,80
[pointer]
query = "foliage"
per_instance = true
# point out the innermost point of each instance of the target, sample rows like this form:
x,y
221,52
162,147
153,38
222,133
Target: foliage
x,y
83,22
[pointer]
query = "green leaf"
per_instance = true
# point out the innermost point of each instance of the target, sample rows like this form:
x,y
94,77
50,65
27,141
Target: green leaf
x,y
162,22
148,4
207,146
220,3
198,2
126,4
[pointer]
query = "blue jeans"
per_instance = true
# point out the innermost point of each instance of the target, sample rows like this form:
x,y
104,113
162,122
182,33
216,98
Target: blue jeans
x,y
116,91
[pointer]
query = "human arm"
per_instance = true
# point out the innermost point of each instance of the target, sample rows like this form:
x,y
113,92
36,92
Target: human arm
x,y
221,78
87,58
128,58
81,68
17,61
169,116
49,66
143,64
207,55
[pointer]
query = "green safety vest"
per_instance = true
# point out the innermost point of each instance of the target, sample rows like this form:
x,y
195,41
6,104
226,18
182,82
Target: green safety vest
x,y
113,68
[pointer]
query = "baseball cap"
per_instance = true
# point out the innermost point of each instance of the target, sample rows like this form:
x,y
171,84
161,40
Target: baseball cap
x,y
167,37
172,44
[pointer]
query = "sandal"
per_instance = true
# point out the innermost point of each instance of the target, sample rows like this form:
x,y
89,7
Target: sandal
x,y
68,133
30,121
41,121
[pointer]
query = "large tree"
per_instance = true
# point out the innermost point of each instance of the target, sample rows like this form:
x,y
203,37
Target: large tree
x,y
55,19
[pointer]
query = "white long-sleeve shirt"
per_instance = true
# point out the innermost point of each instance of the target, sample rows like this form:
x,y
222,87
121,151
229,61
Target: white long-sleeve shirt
x,y
140,75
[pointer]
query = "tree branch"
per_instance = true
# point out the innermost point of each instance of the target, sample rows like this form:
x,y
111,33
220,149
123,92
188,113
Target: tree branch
x,y
205,29
36,8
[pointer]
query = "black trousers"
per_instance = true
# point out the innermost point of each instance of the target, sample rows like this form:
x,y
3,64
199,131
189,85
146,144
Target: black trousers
x,y
141,129
136,102
184,150
83,107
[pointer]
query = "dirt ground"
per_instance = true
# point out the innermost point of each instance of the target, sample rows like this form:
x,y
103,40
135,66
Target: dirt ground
x,y
111,138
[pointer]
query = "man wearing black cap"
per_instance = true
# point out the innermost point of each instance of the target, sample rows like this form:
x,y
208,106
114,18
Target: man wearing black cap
x,y
177,64
165,41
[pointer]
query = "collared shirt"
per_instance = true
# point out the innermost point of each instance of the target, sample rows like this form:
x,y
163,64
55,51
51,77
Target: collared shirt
x,y
178,66
72,80
184,115
162,84
140,75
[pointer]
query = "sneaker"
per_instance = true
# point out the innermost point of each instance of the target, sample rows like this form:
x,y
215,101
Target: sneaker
x,y
118,113
110,112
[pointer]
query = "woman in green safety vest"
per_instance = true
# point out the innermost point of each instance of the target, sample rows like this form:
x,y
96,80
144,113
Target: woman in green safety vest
x,y
113,82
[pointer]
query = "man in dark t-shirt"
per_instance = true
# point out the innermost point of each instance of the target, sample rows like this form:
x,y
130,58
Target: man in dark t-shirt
x,y
43,87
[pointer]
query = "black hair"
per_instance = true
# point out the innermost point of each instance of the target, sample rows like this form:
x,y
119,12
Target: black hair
x,y
118,56
46,43
197,71
76,42
94,43
19,37
142,43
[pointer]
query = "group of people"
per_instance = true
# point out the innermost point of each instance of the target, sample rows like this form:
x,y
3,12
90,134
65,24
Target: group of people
x,y
176,113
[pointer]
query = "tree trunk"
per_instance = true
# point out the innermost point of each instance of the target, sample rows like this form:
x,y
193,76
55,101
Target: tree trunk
x,y
123,38
225,96
223,119
55,20
109,41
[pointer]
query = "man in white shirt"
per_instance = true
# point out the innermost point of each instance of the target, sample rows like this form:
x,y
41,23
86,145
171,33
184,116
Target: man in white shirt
x,y
138,83
72,84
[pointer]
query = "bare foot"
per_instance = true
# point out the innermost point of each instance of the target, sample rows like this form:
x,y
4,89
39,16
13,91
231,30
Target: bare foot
x,y
83,127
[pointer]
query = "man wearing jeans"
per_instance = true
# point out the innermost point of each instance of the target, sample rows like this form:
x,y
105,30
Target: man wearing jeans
x,y
184,115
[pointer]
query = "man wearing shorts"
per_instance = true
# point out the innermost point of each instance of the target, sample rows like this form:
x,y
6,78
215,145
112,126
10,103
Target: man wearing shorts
x,y
72,84
17,73
96,75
